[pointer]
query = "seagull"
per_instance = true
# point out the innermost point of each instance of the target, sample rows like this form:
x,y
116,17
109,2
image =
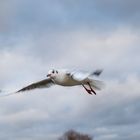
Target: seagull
x,y
64,77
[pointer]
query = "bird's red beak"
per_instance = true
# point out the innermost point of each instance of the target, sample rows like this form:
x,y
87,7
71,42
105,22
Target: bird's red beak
x,y
48,75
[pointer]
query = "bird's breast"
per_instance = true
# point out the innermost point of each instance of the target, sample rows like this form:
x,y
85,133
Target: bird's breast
x,y
66,81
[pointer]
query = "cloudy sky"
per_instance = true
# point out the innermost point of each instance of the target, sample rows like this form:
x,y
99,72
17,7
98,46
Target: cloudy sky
x,y
37,35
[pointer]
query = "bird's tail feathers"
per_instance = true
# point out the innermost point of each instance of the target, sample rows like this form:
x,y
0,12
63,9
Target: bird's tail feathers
x,y
96,84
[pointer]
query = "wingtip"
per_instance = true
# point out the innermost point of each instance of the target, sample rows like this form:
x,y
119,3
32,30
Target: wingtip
x,y
97,72
6,94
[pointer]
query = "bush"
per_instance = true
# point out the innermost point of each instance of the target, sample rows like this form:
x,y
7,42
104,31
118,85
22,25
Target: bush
x,y
73,135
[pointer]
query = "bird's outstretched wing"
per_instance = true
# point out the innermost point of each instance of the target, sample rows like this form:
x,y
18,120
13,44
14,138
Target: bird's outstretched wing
x,y
86,77
41,84
82,75
78,75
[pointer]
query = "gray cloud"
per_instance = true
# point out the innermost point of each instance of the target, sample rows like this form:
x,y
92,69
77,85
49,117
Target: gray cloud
x,y
26,17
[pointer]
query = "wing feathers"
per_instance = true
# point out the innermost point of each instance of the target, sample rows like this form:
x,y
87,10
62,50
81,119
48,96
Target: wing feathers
x,y
40,84
81,75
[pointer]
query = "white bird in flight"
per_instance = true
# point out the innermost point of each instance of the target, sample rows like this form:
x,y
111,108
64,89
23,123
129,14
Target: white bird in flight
x,y
66,77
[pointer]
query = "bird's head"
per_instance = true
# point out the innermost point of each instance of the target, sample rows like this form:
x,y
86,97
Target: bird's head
x,y
52,73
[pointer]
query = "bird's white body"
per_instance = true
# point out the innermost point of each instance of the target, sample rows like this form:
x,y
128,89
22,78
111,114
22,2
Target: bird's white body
x,y
64,80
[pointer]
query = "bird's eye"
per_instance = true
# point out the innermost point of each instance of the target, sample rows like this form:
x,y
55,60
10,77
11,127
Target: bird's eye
x,y
56,71
53,71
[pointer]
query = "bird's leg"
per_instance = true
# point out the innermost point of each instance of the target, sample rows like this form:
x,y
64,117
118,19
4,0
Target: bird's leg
x,y
88,90
91,88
